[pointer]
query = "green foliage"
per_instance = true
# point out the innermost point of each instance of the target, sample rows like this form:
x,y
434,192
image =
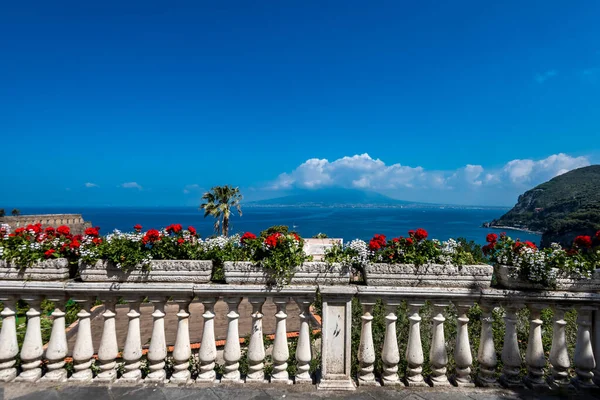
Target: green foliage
x,y
219,202
320,236
282,229
2,212
15,212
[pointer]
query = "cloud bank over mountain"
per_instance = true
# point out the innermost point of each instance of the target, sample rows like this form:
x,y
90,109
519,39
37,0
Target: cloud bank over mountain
x,y
471,184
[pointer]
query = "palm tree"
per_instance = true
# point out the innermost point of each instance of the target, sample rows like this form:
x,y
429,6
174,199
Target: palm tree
x,y
219,202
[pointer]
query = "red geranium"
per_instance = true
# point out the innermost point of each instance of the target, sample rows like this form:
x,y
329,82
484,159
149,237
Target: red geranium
x,y
488,248
137,227
583,241
409,241
74,244
246,237
49,253
491,238
96,241
271,240
421,234
192,230
396,240
50,230
377,242
151,236
36,228
92,231
180,241
19,231
174,228
411,232
63,230
296,236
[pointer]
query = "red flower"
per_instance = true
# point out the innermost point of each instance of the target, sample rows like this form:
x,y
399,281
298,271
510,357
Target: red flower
x,y
50,230
151,236
63,230
531,245
296,236
377,242
74,244
411,233
137,227
396,240
583,241
491,238
192,230
246,237
19,231
49,253
78,237
96,241
409,241
180,241
174,228
271,240
92,231
421,234
598,235
36,228
487,249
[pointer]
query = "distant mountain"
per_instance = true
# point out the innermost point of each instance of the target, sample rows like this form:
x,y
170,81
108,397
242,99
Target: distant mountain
x,y
562,208
332,197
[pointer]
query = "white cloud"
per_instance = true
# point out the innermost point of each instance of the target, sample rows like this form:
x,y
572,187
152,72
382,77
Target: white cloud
x,y
543,77
364,172
194,187
90,185
131,185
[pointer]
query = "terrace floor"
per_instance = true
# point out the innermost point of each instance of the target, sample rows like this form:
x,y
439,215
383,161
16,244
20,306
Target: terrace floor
x,y
264,392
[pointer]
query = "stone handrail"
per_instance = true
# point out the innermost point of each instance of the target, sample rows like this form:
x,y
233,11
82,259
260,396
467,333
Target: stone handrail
x,y
336,357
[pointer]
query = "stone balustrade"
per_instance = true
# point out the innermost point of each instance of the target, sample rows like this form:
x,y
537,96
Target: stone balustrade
x,y
110,364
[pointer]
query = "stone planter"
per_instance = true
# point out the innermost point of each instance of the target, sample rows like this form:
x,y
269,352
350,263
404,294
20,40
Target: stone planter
x,y
434,275
506,278
309,273
185,271
56,269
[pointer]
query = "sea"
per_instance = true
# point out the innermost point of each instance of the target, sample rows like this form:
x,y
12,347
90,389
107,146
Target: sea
x,y
346,223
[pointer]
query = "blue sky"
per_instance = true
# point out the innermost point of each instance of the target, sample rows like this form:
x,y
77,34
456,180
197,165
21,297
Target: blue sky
x,y
150,103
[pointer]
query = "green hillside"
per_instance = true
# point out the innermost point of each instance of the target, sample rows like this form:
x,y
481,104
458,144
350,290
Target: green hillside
x,y
563,207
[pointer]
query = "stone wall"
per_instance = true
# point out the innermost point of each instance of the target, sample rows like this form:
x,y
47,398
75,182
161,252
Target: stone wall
x,y
73,221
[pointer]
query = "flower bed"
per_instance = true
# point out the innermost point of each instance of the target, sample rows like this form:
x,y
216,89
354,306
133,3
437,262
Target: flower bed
x,y
56,269
191,271
433,275
308,273
521,265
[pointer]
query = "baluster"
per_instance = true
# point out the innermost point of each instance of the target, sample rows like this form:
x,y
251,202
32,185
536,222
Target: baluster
x,y
366,349
559,356
414,349
84,348
438,355
281,352
595,344
486,354
208,348
32,349
256,347
303,348
57,346
108,350
157,352
511,357
232,352
9,347
182,350
132,352
534,357
584,361
462,351
390,354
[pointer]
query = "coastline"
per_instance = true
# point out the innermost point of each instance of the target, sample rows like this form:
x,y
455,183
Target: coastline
x,y
513,228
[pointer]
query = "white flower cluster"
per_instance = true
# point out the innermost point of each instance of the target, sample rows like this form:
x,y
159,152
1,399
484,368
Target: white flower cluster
x,y
1,251
6,230
219,242
448,249
533,261
117,234
362,252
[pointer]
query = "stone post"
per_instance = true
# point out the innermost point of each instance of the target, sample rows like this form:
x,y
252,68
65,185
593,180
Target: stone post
x,y
304,348
366,349
57,346
132,352
583,358
534,357
462,350
390,354
9,347
182,350
157,352
438,355
511,357
109,349
232,352
596,344
486,354
32,350
281,352
559,356
336,340
208,349
84,348
414,349
256,347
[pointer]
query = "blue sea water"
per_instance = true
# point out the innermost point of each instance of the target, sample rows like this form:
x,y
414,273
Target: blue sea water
x,y
346,223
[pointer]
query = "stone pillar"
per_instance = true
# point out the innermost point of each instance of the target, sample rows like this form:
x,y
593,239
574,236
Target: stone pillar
x,y
336,340
32,349
462,351
304,348
256,347
534,357
596,344
486,354
208,348
583,358
559,356
157,352
438,355
232,352
108,350
390,354
182,350
366,349
84,348
57,346
281,352
511,357
132,352
9,347
414,349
